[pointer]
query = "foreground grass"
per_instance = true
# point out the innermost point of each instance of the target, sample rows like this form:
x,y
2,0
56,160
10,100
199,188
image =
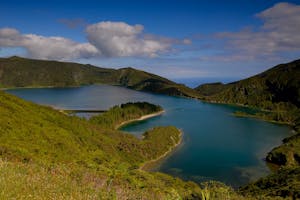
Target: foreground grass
x,y
284,183
31,181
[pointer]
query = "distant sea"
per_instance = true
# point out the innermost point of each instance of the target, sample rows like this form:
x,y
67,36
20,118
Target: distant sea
x,y
194,82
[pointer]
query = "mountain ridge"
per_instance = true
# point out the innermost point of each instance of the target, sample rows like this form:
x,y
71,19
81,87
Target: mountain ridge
x,y
23,72
277,84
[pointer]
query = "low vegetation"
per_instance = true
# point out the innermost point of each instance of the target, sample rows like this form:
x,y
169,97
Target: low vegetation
x,y
210,89
285,183
276,91
280,117
278,84
117,115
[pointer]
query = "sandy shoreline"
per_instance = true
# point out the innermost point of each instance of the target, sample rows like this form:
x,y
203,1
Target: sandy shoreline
x,y
149,164
144,117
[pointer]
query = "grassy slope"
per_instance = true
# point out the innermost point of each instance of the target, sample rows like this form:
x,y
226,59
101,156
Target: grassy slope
x,y
22,72
140,80
45,154
278,86
284,183
210,89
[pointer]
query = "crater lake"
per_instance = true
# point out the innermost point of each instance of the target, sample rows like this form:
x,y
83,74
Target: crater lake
x,y
216,145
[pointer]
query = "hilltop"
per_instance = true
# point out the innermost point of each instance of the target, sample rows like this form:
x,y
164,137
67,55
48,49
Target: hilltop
x,y
23,72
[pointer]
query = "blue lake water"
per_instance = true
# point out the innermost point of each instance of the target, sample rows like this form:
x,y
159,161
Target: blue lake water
x,y
216,145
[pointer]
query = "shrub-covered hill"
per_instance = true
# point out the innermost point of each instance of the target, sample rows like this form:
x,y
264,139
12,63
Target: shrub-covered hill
x,y
285,183
278,86
119,115
45,154
23,72
140,80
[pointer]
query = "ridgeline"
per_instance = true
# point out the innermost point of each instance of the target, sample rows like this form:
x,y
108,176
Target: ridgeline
x,y
22,72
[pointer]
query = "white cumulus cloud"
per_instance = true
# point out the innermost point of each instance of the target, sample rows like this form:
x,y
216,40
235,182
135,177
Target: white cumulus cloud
x,y
9,37
105,39
279,33
121,39
56,47
46,47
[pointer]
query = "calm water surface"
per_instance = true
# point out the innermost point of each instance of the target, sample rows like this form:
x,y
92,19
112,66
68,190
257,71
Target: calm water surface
x,y
216,145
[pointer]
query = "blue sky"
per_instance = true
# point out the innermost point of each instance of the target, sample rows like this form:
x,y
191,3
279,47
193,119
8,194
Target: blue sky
x,y
184,39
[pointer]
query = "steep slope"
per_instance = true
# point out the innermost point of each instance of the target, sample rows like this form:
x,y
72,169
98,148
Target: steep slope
x,y
278,86
140,80
210,89
22,72
284,183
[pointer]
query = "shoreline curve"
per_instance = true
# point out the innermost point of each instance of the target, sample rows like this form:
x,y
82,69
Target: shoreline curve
x,y
148,165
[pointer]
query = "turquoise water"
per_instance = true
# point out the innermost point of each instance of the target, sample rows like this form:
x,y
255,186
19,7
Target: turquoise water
x,y
216,145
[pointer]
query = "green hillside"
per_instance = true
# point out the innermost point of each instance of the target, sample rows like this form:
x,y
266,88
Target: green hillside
x,y
45,154
276,88
23,72
210,89
284,183
140,80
